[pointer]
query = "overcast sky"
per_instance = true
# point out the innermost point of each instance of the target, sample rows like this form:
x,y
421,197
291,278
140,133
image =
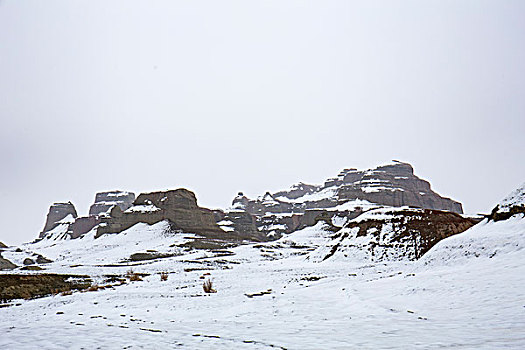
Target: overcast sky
x,y
227,96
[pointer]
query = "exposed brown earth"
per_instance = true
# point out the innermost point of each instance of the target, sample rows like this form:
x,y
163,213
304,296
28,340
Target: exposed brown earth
x,y
15,286
498,215
414,232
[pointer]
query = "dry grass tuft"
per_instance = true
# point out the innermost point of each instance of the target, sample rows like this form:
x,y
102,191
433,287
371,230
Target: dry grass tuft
x,y
208,286
133,276
163,276
93,288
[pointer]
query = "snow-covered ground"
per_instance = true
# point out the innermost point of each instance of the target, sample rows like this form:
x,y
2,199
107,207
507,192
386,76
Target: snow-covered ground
x,y
468,292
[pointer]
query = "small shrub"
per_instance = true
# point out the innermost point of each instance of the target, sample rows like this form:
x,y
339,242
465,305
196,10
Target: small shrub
x,y
93,288
133,276
163,276
208,286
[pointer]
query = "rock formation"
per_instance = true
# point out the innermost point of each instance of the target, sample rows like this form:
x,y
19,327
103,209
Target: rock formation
x,y
391,185
6,264
346,199
113,213
104,201
347,195
396,233
511,205
58,213
178,206
83,225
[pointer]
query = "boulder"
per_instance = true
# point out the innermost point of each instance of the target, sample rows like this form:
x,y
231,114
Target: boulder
x,y
28,261
42,260
6,264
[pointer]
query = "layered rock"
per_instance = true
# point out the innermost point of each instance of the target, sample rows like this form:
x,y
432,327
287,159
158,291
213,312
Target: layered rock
x,y
83,225
59,213
178,206
104,201
348,195
391,185
113,213
394,234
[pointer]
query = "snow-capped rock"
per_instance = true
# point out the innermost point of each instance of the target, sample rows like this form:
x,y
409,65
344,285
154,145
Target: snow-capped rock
x,y
387,234
104,201
503,232
390,185
511,205
60,214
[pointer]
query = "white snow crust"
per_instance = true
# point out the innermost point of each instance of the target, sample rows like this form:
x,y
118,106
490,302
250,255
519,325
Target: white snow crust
x,y
142,208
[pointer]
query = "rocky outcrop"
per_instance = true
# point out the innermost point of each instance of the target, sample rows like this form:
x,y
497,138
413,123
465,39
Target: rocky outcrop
x,y
341,199
178,206
348,195
83,225
242,223
390,185
2,245
393,185
6,264
58,214
104,201
113,213
511,205
395,234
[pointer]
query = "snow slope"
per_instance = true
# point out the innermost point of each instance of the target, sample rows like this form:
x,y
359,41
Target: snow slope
x,y
466,293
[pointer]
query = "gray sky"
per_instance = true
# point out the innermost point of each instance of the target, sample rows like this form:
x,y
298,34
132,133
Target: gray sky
x,y
228,96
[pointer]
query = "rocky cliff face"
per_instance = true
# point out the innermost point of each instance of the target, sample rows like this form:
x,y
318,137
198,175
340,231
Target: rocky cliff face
x,y
58,213
178,206
113,213
348,195
104,201
390,185
394,233
415,217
